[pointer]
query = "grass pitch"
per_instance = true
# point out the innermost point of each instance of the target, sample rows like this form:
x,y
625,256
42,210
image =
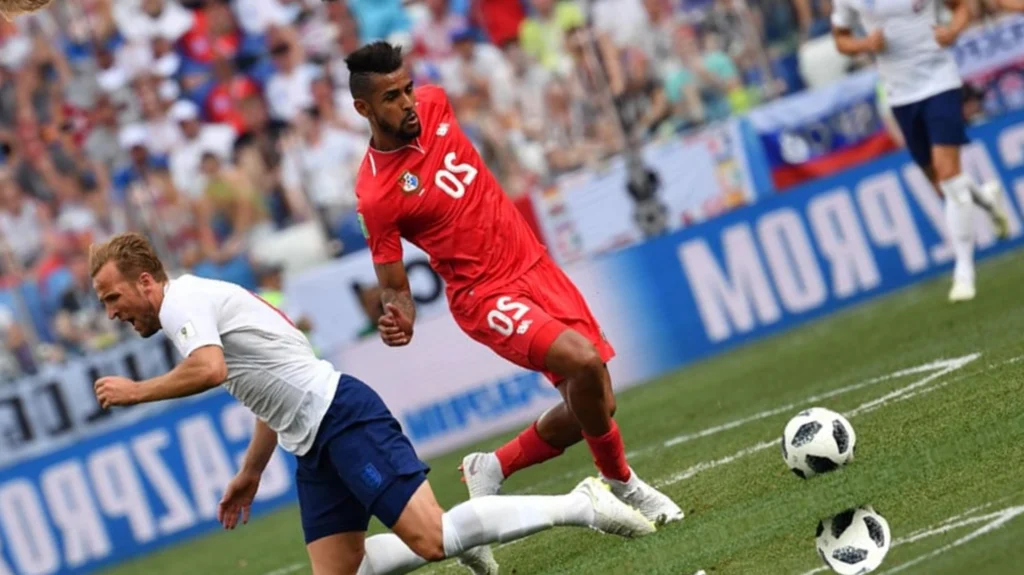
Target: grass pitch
x,y
933,390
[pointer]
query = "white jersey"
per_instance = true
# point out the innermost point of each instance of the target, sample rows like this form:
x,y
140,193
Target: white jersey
x,y
272,369
913,66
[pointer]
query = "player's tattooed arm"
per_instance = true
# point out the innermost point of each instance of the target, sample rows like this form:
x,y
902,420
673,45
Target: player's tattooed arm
x,y
395,325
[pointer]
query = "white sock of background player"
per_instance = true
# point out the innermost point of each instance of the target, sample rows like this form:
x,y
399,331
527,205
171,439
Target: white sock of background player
x,y
959,220
481,521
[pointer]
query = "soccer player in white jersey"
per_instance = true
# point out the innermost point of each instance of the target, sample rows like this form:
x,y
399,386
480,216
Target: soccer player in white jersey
x,y
923,87
354,462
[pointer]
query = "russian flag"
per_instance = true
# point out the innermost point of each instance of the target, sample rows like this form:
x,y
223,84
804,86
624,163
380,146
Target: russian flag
x,y
820,132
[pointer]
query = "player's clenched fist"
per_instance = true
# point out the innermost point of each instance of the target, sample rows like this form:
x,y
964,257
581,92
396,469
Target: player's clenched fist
x,y
876,41
115,390
945,36
394,326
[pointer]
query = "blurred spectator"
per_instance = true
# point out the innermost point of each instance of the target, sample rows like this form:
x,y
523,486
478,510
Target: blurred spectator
x,y
257,16
643,105
258,154
474,66
16,357
542,35
233,210
81,324
288,91
814,17
381,20
433,37
500,19
319,167
23,224
521,104
229,88
658,39
571,141
625,21
683,87
142,20
197,138
163,131
101,145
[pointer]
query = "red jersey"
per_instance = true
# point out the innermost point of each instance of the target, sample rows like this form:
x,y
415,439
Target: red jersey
x,y
437,193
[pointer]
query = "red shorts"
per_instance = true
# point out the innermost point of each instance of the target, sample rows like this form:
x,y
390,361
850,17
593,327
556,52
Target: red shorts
x,y
521,321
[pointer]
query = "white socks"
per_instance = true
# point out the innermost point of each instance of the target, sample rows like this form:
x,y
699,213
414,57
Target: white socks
x,y
959,220
481,521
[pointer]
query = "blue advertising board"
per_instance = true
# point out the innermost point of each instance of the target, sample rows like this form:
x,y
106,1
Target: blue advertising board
x,y
130,491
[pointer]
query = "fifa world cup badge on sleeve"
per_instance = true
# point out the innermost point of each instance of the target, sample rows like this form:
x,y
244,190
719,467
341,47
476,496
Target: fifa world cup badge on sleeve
x,y
409,182
186,332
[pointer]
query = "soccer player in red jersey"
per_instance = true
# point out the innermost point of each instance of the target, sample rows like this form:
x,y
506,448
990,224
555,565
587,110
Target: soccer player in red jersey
x,y
422,180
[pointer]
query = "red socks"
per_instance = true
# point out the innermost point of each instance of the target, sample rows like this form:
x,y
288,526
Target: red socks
x,y
528,448
609,454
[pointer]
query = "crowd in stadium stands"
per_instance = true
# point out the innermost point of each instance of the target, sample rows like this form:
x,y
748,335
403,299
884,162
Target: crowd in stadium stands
x,y
214,124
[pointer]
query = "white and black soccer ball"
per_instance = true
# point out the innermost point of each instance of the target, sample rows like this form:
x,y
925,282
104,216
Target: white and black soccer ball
x,y
817,440
854,542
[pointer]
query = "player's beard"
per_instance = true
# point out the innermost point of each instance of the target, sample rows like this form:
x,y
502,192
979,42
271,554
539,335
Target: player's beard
x,y
148,321
400,131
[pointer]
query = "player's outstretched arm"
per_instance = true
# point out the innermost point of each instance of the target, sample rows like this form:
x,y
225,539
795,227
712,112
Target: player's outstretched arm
x,y
395,325
203,369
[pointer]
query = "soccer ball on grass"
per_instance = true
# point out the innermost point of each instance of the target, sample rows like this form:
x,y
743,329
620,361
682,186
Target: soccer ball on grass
x,y
817,440
854,542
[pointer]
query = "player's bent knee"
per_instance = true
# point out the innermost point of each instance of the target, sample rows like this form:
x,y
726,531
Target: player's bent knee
x,y
420,525
575,357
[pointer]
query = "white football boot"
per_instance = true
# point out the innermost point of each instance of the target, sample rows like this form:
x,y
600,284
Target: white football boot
x,y
961,291
482,474
992,200
653,504
611,515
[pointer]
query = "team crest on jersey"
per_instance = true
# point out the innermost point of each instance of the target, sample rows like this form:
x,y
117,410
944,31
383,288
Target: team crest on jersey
x,y
410,182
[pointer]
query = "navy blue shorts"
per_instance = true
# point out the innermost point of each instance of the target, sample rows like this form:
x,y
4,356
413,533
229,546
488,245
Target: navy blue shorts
x,y
360,465
938,120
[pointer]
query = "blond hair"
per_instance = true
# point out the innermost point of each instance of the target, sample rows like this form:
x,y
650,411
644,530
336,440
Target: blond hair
x,y
11,8
131,253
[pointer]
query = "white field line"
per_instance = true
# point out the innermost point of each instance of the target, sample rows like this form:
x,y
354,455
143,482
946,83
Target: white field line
x,y
931,366
944,367
995,521
941,364
992,521
288,570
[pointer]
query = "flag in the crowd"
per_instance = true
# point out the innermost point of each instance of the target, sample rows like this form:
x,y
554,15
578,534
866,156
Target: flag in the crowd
x,y
821,132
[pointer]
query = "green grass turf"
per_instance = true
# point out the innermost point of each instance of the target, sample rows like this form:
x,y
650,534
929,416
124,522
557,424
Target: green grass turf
x,y
952,444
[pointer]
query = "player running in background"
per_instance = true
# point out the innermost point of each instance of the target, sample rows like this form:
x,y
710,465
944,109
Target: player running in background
x,y
923,86
422,180
353,459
